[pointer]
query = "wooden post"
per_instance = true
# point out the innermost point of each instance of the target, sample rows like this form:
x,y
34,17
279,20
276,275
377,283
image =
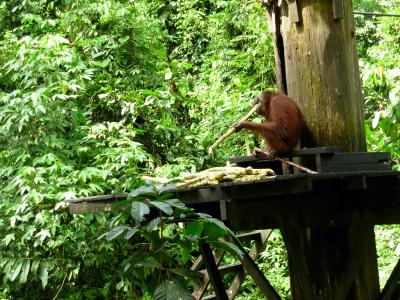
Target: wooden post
x,y
317,64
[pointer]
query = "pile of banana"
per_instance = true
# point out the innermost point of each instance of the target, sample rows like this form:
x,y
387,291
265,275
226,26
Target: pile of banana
x,y
217,175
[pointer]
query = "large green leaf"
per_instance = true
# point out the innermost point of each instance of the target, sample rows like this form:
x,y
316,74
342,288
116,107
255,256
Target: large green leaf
x,y
25,271
231,248
175,203
214,229
17,269
164,207
115,232
131,232
171,290
144,190
44,274
194,228
138,211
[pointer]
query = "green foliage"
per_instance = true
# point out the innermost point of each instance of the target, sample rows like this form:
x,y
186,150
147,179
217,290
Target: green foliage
x,y
95,93
366,25
161,234
61,137
381,79
388,250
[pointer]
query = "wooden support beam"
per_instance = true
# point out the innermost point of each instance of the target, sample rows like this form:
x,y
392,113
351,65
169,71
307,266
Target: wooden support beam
x,y
212,269
260,239
260,280
198,265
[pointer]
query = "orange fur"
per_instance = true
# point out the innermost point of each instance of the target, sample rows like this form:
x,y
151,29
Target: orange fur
x,y
282,128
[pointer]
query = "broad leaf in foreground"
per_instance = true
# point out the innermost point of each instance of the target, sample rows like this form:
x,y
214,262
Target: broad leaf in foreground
x,y
171,290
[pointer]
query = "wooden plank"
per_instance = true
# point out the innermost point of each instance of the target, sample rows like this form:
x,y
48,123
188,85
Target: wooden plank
x,y
222,209
354,162
195,195
236,284
383,181
250,236
353,168
355,158
265,188
294,153
210,297
332,206
355,182
89,207
316,150
234,267
212,269
197,265
261,240
113,197
259,279
391,290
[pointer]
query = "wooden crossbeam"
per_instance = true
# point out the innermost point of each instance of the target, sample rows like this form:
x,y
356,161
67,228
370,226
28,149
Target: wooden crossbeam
x,y
212,269
261,281
242,268
253,253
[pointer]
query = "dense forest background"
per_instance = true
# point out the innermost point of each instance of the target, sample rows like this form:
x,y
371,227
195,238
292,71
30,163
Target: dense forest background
x,y
94,94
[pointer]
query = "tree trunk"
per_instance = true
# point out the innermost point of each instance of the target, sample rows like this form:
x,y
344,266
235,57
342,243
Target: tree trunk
x,y
321,70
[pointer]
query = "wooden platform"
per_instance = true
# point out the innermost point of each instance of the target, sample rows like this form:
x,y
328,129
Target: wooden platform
x,y
349,186
307,200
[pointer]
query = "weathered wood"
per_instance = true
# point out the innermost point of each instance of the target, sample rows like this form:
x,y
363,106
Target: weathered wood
x,y
353,162
274,16
294,153
391,291
311,200
236,284
338,9
323,160
319,271
212,270
332,201
198,265
299,275
289,163
250,236
260,239
358,245
293,11
260,280
234,267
